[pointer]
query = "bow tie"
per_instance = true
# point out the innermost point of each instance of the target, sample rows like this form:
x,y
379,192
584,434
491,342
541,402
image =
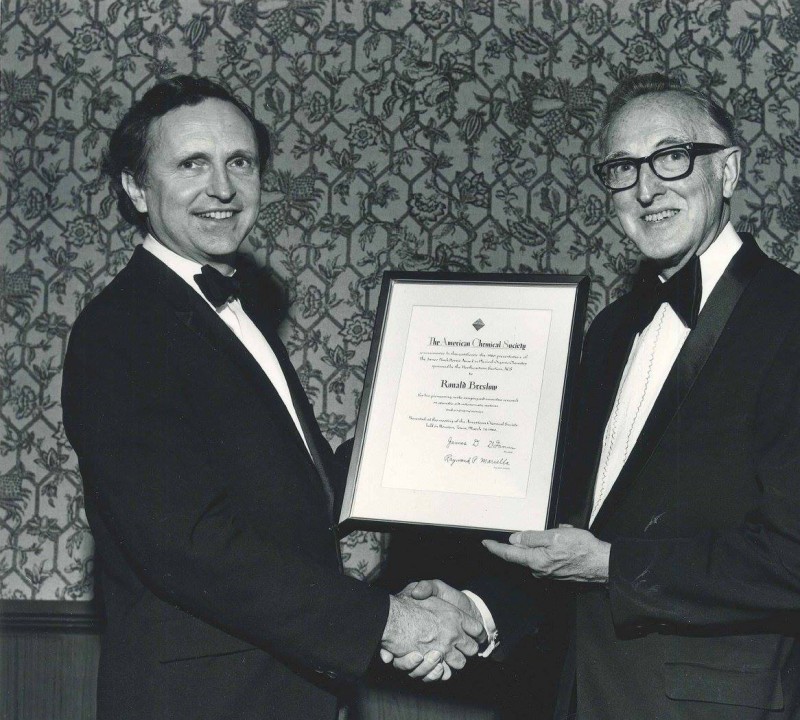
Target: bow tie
x,y
683,291
217,288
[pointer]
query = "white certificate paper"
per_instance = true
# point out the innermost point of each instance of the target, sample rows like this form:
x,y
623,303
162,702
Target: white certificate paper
x,y
461,418
457,419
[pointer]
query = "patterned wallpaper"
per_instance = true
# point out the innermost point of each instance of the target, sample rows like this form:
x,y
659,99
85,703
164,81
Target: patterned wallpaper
x,y
453,135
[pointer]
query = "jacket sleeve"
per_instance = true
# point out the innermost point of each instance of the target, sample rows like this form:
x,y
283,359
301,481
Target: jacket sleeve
x,y
147,470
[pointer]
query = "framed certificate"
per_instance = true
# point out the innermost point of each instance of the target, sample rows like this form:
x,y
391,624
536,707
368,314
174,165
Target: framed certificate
x,y
465,399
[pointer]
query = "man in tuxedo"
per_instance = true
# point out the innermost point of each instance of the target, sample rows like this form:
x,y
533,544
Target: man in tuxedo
x,y
209,487
681,499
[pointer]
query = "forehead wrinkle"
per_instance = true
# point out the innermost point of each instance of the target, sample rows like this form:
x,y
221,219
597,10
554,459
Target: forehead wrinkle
x,y
195,138
664,142
673,113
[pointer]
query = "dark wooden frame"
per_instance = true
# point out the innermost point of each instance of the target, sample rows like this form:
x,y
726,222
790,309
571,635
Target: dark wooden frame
x,y
581,284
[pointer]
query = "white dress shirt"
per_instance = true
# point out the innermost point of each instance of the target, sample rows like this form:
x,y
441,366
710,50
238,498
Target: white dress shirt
x,y
234,316
651,358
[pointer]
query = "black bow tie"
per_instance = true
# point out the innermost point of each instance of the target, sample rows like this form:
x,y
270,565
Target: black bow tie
x,y
217,288
683,291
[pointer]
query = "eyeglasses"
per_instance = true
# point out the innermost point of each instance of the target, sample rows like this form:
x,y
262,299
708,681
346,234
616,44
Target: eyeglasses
x,y
669,163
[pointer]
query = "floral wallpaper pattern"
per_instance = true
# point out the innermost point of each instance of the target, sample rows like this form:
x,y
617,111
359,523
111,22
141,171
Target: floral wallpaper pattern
x,y
409,134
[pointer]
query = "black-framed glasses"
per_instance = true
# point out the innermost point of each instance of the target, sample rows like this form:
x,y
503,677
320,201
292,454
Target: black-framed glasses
x,y
669,163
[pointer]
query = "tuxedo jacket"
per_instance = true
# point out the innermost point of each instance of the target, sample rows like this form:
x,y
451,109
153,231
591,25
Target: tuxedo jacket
x,y
219,567
700,617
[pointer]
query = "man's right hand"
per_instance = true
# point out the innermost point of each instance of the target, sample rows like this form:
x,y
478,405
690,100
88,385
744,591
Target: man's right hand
x,y
433,664
426,631
423,589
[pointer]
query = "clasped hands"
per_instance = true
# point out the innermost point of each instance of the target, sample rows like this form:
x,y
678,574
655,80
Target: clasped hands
x,y
432,629
563,553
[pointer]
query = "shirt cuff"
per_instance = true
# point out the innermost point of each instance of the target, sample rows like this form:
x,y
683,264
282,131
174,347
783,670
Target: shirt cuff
x,y
492,636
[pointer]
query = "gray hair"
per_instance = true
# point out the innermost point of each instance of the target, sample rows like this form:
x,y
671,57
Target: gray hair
x,y
653,83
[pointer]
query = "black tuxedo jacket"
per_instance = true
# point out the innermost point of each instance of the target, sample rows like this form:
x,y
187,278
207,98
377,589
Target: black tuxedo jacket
x,y
220,573
701,615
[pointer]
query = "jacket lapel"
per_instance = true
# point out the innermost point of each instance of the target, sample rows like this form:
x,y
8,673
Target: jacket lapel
x,y
196,315
302,407
688,365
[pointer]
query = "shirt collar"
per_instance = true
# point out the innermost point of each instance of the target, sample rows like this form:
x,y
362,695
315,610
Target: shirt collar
x,y
716,258
183,267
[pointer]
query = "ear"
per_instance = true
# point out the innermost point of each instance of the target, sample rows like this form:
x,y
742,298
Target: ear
x,y
730,172
134,191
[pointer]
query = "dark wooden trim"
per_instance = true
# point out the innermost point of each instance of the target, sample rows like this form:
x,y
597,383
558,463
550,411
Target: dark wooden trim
x,y
52,615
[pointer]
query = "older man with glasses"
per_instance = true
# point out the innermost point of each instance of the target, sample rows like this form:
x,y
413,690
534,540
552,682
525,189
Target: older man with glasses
x,y
681,502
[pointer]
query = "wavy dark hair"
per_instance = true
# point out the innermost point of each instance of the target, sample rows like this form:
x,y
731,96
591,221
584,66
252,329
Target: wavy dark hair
x,y
129,145
650,83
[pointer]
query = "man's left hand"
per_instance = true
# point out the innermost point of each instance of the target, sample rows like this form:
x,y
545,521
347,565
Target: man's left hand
x,y
565,553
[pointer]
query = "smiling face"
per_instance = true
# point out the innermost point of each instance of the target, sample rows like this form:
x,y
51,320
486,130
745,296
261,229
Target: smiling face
x,y
202,189
671,220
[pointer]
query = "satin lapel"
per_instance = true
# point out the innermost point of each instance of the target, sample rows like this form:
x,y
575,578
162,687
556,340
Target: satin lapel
x,y
688,365
302,407
204,322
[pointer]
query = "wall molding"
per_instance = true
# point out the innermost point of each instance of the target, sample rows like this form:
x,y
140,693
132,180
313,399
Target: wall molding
x,y
50,615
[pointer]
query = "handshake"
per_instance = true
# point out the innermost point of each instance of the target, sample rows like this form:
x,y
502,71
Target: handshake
x,y
432,629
